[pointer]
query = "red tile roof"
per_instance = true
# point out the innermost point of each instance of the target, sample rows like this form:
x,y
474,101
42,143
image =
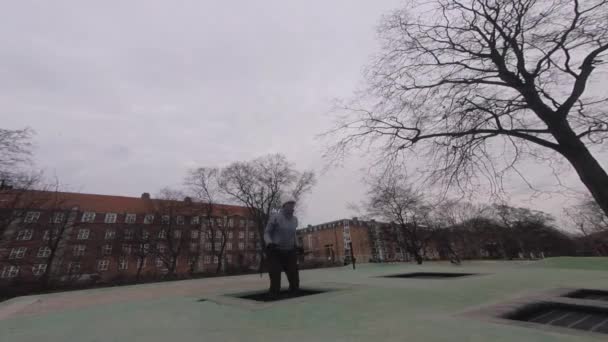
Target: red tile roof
x,y
103,203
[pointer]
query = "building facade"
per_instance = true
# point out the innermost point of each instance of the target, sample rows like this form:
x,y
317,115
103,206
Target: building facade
x,y
368,241
98,238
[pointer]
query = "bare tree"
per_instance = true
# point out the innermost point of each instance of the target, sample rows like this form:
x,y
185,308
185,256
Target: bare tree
x,y
61,219
393,199
18,195
143,249
588,217
63,222
261,184
463,79
519,226
170,240
15,150
203,183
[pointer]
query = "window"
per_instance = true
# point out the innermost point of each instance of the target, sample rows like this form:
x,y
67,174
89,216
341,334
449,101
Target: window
x,y
31,217
145,234
230,223
110,218
130,218
241,246
229,258
79,250
241,235
38,269
161,249
102,265
194,234
179,220
165,219
162,234
207,259
58,218
144,248
243,223
230,235
229,246
106,249
123,264
73,267
194,220
83,234
219,222
208,246
44,252
177,234
50,233
159,263
10,271
126,249
88,216
149,219
193,247
215,259
218,246
251,223
25,234
141,263
110,234
128,234
251,235
17,253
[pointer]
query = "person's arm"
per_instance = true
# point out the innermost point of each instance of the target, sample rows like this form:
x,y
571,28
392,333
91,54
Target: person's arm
x,y
295,238
270,226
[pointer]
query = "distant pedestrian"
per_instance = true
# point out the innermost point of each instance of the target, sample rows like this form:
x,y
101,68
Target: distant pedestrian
x,y
282,249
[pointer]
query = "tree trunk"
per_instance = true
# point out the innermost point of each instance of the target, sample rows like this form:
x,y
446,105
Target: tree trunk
x,y
587,167
140,266
218,270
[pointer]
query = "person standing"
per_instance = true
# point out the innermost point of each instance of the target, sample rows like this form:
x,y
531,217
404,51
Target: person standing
x,y
282,249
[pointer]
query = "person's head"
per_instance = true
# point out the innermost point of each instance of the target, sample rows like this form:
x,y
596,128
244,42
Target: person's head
x,y
289,207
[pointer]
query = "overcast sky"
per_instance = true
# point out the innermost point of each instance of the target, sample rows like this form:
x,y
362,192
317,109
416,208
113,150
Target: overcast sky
x,y
125,96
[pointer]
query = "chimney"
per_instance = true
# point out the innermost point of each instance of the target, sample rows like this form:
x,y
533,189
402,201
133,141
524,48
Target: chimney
x,y
354,218
188,200
145,196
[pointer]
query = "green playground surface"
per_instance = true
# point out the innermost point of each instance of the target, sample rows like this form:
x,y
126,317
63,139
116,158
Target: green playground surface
x,y
361,306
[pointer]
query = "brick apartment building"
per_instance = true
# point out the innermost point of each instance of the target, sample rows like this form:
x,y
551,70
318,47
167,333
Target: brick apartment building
x,y
370,241
100,238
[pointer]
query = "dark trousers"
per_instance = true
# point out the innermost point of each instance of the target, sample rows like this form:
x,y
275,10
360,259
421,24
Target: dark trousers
x,y
283,261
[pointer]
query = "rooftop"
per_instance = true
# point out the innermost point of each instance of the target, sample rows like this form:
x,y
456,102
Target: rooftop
x,y
362,306
96,202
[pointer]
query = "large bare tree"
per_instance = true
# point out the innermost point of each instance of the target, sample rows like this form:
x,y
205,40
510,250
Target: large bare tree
x,y
466,80
261,184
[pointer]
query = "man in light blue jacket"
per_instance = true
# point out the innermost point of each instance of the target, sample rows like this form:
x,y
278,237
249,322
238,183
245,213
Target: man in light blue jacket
x,y
281,248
